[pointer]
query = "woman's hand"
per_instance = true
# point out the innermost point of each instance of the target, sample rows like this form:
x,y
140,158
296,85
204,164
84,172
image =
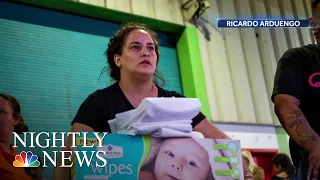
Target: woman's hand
x,y
248,175
246,171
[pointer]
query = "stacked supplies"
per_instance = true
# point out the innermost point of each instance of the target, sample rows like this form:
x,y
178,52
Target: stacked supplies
x,y
159,117
155,141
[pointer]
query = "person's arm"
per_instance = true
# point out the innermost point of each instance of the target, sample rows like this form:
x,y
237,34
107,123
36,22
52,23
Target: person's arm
x,y
294,122
259,174
65,173
86,120
287,92
209,130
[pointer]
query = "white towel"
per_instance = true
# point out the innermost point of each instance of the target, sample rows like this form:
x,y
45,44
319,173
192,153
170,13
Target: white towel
x,y
113,126
167,109
150,128
122,119
182,125
165,117
159,110
127,117
184,130
164,132
196,134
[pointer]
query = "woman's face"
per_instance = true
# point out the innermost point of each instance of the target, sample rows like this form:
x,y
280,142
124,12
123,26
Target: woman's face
x,y
7,121
139,56
182,159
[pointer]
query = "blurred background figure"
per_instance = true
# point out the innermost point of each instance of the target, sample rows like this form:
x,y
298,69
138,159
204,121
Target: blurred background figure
x,y
284,167
258,172
295,153
36,172
10,121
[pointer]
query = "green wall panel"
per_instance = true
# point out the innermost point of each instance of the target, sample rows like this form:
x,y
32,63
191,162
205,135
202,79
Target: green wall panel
x,y
283,142
191,69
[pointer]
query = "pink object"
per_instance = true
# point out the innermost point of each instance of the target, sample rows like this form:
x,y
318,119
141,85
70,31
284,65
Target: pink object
x,y
316,84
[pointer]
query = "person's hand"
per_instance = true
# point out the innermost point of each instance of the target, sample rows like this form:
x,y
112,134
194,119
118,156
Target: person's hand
x,y
314,162
248,174
246,171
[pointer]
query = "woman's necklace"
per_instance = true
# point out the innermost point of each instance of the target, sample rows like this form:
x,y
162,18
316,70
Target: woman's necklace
x,y
134,100
151,92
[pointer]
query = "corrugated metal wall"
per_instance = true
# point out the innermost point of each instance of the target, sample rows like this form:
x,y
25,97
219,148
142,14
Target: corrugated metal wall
x,y
166,10
239,64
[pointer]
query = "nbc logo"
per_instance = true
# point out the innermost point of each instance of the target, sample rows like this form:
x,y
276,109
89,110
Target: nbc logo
x,y
26,160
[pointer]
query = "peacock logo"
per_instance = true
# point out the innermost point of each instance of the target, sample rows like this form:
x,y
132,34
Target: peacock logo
x,y
26,160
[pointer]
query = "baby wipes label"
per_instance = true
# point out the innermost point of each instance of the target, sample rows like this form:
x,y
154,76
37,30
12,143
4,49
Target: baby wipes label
x,y
119,158
123,157
111,151
227,159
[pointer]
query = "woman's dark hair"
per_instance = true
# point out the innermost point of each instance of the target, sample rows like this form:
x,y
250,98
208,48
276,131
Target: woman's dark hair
x,y
16,111
116,44
285,162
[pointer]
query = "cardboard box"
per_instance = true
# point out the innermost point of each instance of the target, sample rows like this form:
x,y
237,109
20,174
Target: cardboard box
x,y
150,158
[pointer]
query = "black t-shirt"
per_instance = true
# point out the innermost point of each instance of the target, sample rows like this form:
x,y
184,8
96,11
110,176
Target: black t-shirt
x,y
298,75
279,178
295,153
102,106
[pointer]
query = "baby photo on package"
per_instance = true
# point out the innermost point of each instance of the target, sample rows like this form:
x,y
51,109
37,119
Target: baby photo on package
x,y
154,158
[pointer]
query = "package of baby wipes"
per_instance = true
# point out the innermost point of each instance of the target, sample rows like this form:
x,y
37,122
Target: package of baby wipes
x,y
125,157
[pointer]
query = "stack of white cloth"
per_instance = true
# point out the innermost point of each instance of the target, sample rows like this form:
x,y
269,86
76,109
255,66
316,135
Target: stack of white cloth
x,y
159,117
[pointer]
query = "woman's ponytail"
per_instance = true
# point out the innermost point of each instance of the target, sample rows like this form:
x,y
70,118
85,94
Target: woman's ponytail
x,y
290,170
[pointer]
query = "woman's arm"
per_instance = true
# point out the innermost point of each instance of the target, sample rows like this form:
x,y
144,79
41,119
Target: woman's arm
x,y
259,174
64,173
209,130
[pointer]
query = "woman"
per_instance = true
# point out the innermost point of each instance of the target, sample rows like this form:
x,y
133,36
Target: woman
x,y
283,166
10,121
258,172
132,56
